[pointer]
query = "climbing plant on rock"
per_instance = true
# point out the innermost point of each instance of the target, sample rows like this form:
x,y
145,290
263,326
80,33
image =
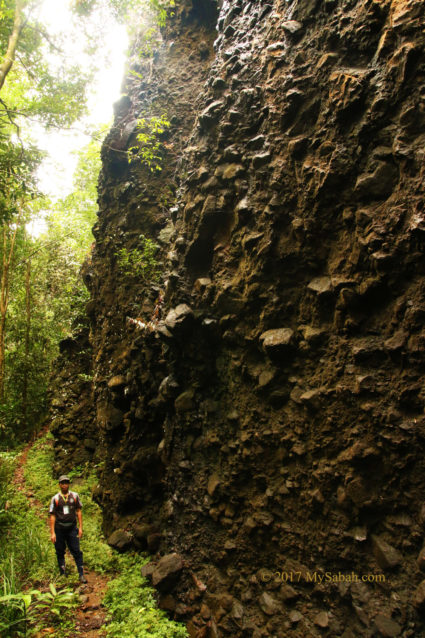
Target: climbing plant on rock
x,y
139,262
149,145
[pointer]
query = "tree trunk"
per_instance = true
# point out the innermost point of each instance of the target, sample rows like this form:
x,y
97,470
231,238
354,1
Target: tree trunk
x,y
9,58
4,296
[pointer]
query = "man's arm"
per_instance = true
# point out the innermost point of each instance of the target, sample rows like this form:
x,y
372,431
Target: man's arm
x,y
80,522
52,528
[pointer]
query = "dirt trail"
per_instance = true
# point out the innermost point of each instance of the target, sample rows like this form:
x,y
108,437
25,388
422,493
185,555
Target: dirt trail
x,y
90,615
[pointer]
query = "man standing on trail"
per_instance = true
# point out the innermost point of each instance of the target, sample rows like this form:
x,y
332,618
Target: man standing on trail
x,y
65,508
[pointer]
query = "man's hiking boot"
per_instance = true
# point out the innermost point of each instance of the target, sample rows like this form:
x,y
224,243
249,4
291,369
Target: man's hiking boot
x,y
83,579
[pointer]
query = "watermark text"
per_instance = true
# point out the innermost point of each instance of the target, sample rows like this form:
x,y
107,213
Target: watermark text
x,y
319,577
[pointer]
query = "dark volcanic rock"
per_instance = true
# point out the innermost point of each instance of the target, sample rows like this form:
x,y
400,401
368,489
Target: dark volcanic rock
x,y
419,597
167,571
279,339
386,555
120,539
386,626
258,399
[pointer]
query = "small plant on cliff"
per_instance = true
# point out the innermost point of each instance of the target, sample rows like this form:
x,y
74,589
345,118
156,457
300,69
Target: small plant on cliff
x,y
148,149
163,9
149,42
139,262
149,38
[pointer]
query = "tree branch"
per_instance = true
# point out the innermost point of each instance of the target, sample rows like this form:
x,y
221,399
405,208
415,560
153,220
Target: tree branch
x,y
46,36
29,73
9,114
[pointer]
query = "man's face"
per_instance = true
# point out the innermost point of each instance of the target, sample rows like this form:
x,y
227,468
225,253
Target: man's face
x,y
64,485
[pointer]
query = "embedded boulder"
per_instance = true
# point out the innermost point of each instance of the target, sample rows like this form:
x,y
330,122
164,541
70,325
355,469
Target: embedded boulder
x,y
178,317
278,340
167,572
120,540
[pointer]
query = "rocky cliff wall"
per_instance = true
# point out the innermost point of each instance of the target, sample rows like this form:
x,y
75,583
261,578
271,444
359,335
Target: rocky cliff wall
x,y
71,411
260,405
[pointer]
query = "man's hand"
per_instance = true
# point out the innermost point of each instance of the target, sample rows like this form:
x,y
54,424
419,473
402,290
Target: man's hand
x,y
52,528
80,523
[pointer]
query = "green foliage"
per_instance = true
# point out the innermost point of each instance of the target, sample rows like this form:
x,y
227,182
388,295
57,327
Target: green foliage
x,y
85,377
139,262
25,608
148,42
28,554
26,560
38,470
70,220
40,84
148,38
166,197
37,86
6,469
123,9
26,557
148,150
132,606
44,86
58,294
18,164
162,9
55,98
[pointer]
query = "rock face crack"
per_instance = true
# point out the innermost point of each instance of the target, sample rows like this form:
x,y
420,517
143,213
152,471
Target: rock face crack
x,y
258,404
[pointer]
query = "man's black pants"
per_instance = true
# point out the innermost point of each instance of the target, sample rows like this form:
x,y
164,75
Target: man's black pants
x,y
64,537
